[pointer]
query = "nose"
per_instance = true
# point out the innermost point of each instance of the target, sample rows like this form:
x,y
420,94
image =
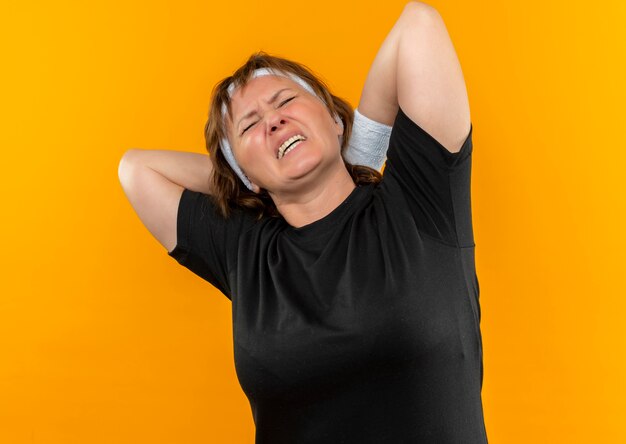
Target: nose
x,y
275,121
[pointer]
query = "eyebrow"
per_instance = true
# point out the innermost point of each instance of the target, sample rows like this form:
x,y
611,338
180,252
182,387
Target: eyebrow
x,y
269,102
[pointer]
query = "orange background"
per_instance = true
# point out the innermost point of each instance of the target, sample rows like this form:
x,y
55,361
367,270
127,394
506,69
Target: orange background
x,y
106,339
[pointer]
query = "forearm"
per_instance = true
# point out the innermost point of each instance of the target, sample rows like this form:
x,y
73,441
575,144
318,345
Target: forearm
x,y
189,170
378,105
379,97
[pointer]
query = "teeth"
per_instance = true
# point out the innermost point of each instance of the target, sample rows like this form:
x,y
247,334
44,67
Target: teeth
x,y
283,148
290,148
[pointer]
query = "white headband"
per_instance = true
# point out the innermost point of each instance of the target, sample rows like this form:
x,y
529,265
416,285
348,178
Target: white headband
x,y
226,149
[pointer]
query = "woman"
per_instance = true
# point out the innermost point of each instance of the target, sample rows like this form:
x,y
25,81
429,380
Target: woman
x,y
355,298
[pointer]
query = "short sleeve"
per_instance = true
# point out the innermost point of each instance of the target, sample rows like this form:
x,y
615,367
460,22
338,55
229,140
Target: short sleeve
x,y
434,181
206,242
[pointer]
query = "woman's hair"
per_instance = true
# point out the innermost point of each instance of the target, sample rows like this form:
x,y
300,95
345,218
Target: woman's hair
x,y
227,190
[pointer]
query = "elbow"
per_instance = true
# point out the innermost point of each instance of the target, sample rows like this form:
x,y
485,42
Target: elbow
x,y
417,14
126,166
414,7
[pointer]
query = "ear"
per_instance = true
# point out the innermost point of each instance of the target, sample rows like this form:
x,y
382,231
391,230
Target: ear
x,y
339,126
255,188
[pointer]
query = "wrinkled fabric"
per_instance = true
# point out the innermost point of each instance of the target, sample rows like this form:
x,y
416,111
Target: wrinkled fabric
x,y
363,326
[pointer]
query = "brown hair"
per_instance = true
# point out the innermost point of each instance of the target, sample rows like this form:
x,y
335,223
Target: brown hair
x,y
227,190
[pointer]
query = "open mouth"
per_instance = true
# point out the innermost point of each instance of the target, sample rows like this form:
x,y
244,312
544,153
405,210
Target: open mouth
x,y
289,144
291,147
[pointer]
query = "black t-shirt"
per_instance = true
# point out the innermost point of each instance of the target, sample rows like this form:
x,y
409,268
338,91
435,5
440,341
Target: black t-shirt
x,y
363,326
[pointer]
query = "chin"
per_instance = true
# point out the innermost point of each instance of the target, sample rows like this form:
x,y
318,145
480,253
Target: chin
x,y
302,166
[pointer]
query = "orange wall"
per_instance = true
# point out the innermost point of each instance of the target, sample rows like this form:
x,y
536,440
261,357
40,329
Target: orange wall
x,y
106,339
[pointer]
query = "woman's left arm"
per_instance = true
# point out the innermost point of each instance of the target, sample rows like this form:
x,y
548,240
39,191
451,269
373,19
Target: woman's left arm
x,y
417,69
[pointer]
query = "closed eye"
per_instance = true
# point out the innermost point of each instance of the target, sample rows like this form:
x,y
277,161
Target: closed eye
x,y
289,99
281,104
248,127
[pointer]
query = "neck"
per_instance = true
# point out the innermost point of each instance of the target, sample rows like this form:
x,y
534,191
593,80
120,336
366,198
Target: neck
x,y
315,202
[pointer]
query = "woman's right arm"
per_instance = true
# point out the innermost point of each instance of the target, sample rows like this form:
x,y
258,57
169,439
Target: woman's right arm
x,y
417,69
153,181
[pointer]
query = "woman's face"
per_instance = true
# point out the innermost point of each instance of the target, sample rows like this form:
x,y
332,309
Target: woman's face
x,y
259,129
